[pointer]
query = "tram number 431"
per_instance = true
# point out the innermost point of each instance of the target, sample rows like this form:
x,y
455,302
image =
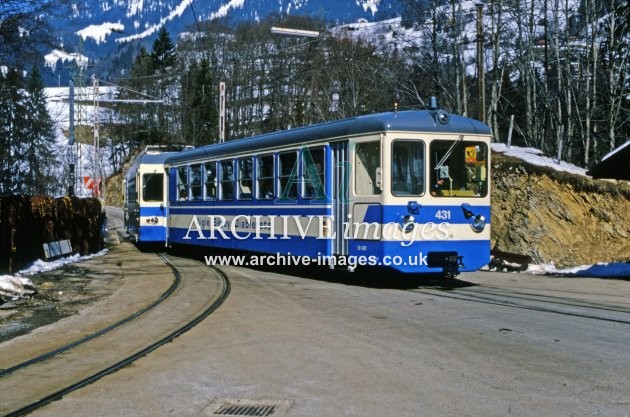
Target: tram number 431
x,y
443,214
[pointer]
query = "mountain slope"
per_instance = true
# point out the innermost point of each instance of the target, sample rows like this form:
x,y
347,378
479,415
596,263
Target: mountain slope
x,y
103,24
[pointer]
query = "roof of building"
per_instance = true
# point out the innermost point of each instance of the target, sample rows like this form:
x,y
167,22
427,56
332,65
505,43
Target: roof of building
x,y
615,165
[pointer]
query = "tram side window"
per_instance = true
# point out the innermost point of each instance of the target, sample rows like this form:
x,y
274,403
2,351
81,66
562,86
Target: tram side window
x,y
131,191
313,173
367,173
407,167
458,168
287,175
264,177
195,182
245,171
153,187
182,183
211,180
227,180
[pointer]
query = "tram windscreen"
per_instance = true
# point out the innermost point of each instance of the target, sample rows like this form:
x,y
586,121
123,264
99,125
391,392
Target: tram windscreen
x,y
459,168
152,187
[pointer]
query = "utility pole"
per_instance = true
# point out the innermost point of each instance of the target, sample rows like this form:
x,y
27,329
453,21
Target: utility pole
x,y
97,171
480,64
71,154
221,112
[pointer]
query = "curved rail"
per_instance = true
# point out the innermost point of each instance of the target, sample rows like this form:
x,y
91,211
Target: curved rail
x,y
225,287
176,282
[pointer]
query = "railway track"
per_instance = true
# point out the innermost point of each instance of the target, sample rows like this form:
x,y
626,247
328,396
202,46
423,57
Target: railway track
x,y
196,291
562,303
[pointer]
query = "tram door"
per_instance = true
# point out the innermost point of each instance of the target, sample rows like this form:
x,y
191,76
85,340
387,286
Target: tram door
x,y
341,206
365,193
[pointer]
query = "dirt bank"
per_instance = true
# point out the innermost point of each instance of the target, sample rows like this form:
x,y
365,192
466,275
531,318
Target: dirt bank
x,y
558,217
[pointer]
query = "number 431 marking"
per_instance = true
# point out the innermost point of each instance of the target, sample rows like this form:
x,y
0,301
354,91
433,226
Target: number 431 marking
x,y
443,214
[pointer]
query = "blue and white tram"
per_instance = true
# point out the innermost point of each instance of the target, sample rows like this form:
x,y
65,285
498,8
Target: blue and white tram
x,y
145,201
407,190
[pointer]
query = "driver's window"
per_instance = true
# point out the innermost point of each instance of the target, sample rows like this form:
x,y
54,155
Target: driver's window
x,y
458,168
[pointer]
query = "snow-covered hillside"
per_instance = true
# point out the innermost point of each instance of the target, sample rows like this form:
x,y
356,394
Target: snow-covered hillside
x,y
102,24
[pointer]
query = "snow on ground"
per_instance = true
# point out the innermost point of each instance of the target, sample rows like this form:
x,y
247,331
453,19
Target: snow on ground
x,y
601,270
18,286
536,157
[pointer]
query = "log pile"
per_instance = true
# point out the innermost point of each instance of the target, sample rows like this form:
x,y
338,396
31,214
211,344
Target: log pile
x,y
26,223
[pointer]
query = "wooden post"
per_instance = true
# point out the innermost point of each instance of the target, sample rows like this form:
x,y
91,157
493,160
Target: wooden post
x,y
509,138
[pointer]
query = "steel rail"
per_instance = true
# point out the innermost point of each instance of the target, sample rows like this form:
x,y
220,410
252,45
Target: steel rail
x,y
225,291
176,283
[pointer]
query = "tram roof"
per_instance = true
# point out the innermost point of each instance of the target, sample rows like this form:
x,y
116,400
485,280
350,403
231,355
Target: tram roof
x,y
155,154
402,121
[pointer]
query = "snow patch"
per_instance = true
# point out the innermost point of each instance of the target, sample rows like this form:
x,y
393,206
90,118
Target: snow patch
x,y
223,10
56,55
18,286
15,287
600,270
151,29
100,32
135,7
371,5
536,157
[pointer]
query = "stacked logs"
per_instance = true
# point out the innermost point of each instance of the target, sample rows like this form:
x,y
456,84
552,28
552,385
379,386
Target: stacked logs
x,y
26,223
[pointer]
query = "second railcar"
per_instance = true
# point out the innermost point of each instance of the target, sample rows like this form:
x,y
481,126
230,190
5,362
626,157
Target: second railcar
x,y
145,192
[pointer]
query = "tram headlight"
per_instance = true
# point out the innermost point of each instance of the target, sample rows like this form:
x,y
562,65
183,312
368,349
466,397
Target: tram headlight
x,y
442,117
478,223
407,223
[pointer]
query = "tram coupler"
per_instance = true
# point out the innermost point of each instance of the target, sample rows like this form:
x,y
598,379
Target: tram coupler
x,y
450,262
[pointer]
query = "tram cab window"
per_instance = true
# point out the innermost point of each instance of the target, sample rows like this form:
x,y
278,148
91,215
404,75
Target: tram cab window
x,y
227,180
287,176
153,187
211,180
367,173
458,168
313,161
245,171
195,182
264,177
407,168
182,183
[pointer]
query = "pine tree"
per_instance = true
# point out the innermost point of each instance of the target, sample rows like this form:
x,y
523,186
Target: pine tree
x,y
6,111
40,140
199,101
13,124
163,56
163,59
141,126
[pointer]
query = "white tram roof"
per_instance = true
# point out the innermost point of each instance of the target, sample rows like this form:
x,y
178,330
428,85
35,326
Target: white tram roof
x,y
402,121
